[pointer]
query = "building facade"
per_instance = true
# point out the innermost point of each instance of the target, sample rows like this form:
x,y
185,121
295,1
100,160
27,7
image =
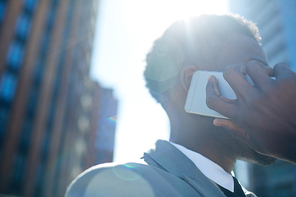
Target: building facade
x,y
107,122
49,106
276,20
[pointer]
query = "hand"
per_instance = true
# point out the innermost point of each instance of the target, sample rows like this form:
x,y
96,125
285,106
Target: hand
x,y
263,115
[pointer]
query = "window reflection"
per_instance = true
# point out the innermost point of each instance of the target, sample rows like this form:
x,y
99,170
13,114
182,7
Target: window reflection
x,y
30,5
15,55
23,26
8,84
2,10
4,113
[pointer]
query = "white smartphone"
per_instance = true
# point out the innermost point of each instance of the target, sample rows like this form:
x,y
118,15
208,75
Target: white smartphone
x,y
196,97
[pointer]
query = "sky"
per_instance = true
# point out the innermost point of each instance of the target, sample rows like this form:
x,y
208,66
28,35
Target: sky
x,y
125,32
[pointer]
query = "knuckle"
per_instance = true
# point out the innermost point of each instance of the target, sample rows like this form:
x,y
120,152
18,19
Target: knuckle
x,y
228,71
253,66
254,63
282,69
281,65
237,68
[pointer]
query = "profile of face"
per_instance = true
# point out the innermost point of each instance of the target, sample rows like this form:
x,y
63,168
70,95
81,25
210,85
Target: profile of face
x,y
241,49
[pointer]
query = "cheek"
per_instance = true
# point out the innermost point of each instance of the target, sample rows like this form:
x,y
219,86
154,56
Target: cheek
x,y
177,93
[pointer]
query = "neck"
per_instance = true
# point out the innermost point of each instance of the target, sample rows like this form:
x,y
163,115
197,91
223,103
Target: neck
x,y
198,134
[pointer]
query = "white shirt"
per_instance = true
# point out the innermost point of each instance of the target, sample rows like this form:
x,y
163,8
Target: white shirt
x,y
209,168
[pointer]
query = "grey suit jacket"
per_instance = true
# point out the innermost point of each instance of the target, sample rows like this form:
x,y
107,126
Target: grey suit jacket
x,y
168,173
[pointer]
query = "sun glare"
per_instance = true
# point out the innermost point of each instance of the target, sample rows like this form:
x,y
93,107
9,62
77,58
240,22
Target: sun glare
x,y
176,10
127,32
168,11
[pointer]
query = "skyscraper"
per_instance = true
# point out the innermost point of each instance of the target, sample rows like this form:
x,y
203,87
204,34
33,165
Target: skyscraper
x,y
276,20
107,122
48,104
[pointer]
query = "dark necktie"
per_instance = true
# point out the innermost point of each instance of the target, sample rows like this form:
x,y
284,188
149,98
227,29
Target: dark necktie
x,y
238,191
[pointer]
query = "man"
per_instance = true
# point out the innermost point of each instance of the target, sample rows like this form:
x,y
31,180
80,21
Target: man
x,y
200,156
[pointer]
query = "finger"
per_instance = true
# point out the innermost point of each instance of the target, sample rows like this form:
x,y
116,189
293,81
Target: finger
x,y
218,103
282,70
259,73
240,133
268,70
234,130
215,85
235,76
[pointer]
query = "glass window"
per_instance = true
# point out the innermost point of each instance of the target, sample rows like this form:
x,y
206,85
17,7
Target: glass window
x,y
19,165
44,43
26,137
38,71
2,10
8,83
30,5
4,114
45,145
50,20
33,99
15,55
23,26
40,176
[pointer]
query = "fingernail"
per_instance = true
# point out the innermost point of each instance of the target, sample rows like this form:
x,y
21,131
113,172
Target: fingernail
x,y
210,77
216,122
254,61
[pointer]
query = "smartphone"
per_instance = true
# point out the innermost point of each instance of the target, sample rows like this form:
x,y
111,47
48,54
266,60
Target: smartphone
x,y
196,97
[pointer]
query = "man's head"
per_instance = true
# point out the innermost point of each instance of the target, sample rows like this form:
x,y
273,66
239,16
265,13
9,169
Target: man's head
x,y
207,42
198,42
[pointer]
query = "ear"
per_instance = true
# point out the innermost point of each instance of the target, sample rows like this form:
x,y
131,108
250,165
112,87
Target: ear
x,y
186,76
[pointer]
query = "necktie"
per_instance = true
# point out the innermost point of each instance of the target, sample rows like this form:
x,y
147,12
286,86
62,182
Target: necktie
x,y
238,191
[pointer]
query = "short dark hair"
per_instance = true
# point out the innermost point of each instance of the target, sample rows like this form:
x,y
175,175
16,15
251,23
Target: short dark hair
x,y
187,42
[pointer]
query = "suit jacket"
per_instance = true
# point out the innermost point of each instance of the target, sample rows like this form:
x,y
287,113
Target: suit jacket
x,y
168,173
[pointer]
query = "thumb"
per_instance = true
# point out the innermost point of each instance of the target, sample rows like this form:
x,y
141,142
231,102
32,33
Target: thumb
x,y
241,134
233,129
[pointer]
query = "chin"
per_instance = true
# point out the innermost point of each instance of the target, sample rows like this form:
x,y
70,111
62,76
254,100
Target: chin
x,y
246,153
257,158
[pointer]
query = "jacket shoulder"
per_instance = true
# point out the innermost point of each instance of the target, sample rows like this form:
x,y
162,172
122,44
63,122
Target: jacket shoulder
x,y
103,180
130,179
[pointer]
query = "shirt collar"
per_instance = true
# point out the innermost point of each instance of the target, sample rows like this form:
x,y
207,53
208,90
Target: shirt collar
x,y
209,168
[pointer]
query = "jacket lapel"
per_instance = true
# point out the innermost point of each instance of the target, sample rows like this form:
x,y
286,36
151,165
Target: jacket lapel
x,y
170,159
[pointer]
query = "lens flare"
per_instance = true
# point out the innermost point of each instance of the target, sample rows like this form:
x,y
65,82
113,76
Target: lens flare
x,y
127,172
112,119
